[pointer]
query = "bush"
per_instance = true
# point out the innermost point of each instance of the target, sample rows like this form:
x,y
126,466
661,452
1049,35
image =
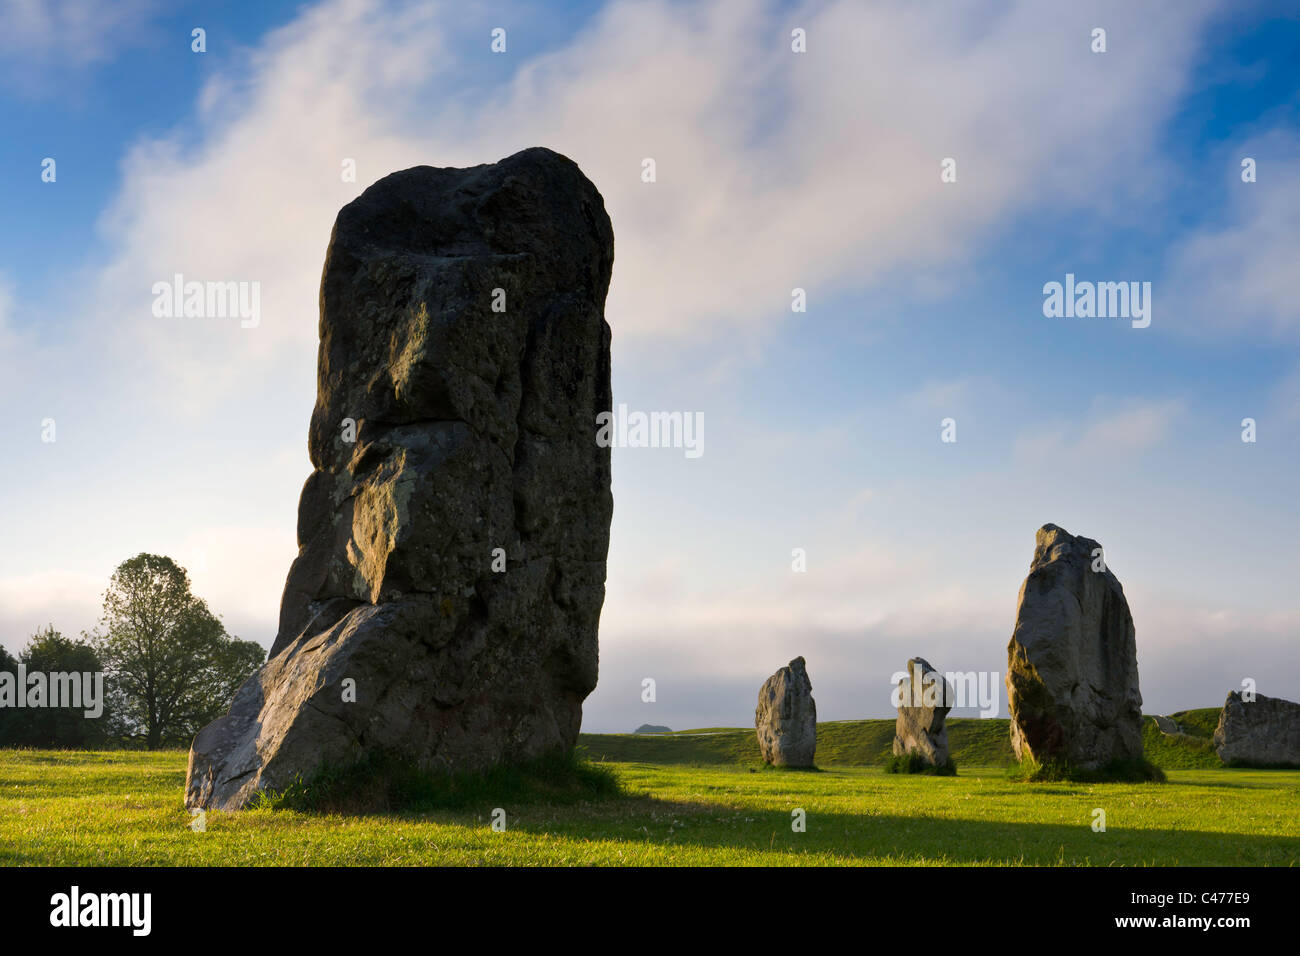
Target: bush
x,y
915,763
1119,770
49,652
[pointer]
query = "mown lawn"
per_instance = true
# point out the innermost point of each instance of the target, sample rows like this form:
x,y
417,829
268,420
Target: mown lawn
x,y
120,808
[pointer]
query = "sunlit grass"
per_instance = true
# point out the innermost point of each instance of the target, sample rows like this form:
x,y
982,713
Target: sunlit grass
x,y
63,808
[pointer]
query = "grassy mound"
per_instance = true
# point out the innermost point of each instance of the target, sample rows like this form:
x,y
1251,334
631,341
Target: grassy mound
x,y
384,783
1197,723
973,742
1188,752
1119,770
1197,749
841,743
712,747
915,763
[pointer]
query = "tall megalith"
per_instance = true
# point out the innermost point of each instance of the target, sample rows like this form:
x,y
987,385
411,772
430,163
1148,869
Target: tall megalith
x,y
785,719
924,699
1072,674
445,600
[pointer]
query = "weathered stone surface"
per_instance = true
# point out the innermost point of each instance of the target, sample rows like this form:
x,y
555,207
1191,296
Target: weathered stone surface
x,y
786,717
1167,726
1072,674
1265,730
925,698
474,431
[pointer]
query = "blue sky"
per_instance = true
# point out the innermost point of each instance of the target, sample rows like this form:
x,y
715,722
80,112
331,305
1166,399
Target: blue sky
x,y
817,170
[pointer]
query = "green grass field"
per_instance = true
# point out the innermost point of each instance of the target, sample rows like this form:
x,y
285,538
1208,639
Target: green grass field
x,y
689,800
867,743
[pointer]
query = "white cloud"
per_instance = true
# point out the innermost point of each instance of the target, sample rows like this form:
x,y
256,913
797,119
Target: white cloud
x,y
859,502
935,396
1136,426
68,600
1236,276
775,169
1232,640
239,571
1286,396
858,616
843,592
38,37
9,341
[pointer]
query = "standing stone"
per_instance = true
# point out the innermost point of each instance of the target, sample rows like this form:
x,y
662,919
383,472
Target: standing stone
x,y
1072,674
786,718
444,604
925,698
1262,731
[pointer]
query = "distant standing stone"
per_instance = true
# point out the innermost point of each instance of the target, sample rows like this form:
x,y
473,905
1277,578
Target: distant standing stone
x,y
925,698
786,718
1265,730
1072,674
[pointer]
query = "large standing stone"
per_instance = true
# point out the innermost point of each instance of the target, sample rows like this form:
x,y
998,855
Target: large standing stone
x,y
445,600
1072,675
1264,731
925,698
786,718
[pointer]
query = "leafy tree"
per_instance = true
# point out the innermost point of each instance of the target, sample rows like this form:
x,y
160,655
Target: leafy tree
x,y
49,652
8,723
171,664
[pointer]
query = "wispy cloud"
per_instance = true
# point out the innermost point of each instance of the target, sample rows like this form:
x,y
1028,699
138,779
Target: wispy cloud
x,y
1137,426
753,148
43,39
1286,397
1237,276
938,396
68,600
